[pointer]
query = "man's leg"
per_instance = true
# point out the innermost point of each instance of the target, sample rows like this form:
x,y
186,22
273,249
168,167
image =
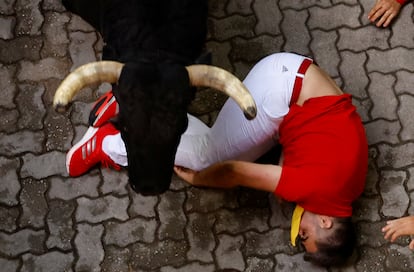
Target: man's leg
x,y
234,137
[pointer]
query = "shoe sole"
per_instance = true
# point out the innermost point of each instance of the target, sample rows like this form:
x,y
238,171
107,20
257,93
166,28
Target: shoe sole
x,y
88,135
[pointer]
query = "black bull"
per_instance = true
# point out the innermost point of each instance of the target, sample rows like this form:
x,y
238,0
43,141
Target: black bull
x,y
156,40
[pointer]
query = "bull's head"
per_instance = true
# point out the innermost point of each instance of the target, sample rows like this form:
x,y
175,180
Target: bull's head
x,y
153,100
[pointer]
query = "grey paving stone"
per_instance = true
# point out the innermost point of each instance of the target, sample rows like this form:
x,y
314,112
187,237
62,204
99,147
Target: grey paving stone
x,y
400,258
114,182
383,131
116,259
385,101
411,207
410,182
404,83
366,209
101,209
228,253
8,218
20,142
60,225
78,24
255,264
398,156
217,8
8,86
7,7
401,35
345,16
58,131
29,17
158,254
240,6
8,122
268,17
369,234
369,37
171,216
201,237
25,240
44,165
54,5
363,108
373,260
264,44
142,205
198,201
42,70
405,113
243,220
57,41
393,194
80,112
281,212
81,48
27,48
9,265
263,244
189,268
232,26
68,189
10,186
89,247
220,55
7,29
392,60
324,50
294,22
304,4
33,203
372,179
51,261
135,230
30,105
294,263
355,77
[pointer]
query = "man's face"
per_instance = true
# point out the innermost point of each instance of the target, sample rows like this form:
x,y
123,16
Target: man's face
x,y
308,232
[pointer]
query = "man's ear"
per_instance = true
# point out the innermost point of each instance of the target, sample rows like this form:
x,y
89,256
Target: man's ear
x,y
325,222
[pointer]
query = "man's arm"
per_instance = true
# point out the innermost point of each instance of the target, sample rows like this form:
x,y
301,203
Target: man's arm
x,y
231,174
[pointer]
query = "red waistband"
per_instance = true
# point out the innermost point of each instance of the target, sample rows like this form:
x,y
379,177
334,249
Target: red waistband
x,y
298,82
402,2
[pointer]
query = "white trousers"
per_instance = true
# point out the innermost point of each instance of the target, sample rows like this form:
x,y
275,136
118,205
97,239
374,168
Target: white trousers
x,y
232,136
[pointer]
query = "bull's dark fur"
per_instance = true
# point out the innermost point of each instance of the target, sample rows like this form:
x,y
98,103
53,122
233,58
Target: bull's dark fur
x,y
156,39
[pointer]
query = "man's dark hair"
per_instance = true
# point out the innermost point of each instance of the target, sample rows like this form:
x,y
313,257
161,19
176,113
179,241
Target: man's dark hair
x,y
335,249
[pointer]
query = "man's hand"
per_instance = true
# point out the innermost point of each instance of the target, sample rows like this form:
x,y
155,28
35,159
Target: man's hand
x,y
384,11
398,227
185,174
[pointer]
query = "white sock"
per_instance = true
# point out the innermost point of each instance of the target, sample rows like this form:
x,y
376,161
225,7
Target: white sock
x,y
114,147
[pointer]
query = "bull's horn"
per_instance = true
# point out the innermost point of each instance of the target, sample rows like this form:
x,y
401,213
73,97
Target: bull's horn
x,y
91,73
220,79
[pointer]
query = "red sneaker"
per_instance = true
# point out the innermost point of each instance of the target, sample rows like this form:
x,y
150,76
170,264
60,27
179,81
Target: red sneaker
x,y
104,109
88,151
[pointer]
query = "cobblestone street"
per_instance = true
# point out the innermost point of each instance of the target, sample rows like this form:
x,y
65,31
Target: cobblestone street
x,y
51,222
